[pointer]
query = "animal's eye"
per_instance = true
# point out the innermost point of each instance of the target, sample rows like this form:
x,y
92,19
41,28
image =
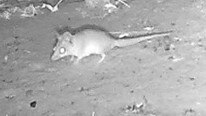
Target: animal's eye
x,y
62,50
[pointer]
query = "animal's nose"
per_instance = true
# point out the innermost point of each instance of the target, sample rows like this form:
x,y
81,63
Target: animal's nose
x,y
54,48
54,57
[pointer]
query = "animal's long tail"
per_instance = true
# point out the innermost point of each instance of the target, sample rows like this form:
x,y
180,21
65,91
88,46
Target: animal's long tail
x,y
134,40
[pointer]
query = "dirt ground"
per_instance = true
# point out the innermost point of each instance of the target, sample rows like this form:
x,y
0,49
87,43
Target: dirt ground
x,y
161,77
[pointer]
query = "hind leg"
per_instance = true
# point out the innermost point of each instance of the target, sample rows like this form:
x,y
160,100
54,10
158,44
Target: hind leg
x,y
102,58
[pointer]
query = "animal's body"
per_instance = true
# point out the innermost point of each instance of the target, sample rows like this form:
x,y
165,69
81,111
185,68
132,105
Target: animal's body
x,y
94,41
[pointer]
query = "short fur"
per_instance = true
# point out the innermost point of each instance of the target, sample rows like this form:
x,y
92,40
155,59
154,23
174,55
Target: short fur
x,y
94,40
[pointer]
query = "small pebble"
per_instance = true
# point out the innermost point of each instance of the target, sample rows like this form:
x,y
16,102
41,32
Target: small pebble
x,y
33,104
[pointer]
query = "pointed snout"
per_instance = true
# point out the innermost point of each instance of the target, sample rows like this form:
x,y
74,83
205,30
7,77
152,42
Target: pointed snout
x,y
54,57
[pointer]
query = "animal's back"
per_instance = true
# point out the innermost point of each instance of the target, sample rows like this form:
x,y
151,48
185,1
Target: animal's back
x,y
95,38
91,41
94,41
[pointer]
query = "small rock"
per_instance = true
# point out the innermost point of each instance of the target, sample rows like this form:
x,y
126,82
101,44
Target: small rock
x,y
189,112
192,78
33,104
9,94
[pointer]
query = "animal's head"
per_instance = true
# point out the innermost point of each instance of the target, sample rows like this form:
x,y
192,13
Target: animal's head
x,y
63,46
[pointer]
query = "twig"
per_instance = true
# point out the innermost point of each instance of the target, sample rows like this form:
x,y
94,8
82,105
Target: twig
x,y
124,3
52,9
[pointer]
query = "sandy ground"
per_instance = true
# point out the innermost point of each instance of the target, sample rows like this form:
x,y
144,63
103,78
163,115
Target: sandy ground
x,y
162,77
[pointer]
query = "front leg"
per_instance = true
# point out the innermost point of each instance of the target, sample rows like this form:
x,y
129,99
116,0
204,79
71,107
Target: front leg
x,y
78,60
72,58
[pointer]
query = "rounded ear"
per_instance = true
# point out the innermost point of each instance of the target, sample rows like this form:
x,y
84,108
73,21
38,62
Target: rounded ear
x,y
58,36
66,35
71,41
